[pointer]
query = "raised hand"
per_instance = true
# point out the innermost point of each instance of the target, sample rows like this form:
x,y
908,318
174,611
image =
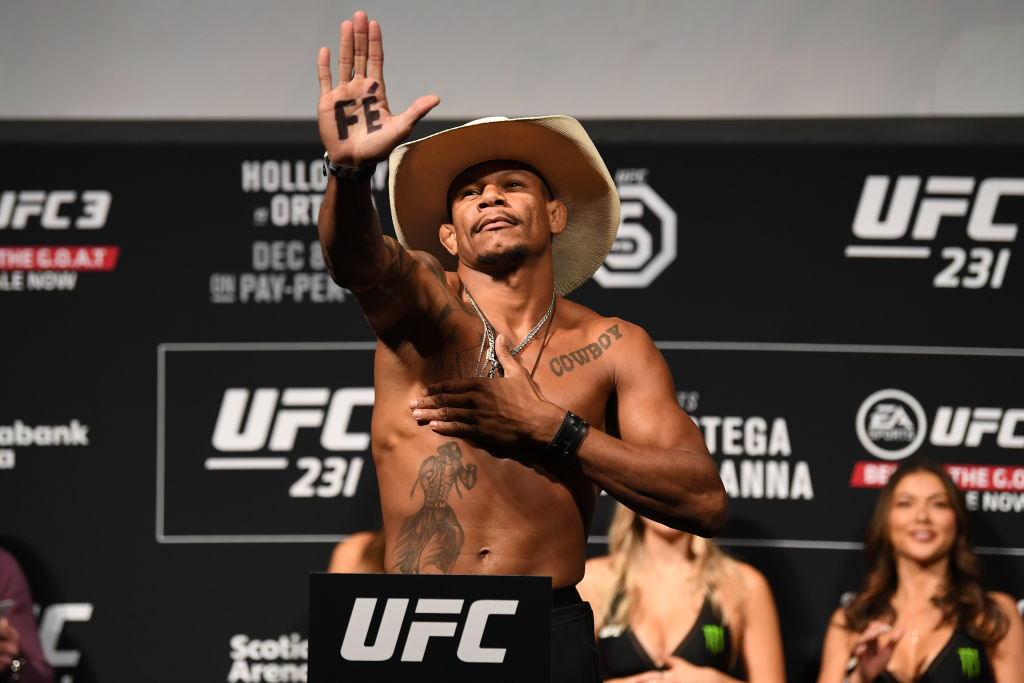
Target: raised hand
x,y
355,121
10,644
872,654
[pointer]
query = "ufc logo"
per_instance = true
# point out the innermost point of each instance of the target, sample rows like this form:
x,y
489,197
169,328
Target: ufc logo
x,y
955,201
966,426
275,417
355,649
16,208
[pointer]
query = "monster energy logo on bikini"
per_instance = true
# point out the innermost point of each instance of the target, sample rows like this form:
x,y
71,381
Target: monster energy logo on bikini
x,y
714,638
970,663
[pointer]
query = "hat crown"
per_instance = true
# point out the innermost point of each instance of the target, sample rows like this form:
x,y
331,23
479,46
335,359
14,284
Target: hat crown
x,y
422,171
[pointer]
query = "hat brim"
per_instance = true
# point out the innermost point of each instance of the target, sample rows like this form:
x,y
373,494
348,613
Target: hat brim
x,y
422,171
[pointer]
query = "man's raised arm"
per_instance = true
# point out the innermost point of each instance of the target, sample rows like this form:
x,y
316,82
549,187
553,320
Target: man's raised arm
x,y
358,131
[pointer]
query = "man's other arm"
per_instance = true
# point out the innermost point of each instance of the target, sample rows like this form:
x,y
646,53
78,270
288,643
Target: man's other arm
x,y
652,457
658,463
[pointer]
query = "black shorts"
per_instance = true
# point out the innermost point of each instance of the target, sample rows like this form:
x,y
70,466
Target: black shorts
x,y
573,647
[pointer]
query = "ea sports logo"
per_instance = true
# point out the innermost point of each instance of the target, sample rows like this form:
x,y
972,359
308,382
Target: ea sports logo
x,y
891,424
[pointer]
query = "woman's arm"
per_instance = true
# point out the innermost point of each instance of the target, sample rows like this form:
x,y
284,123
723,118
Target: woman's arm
x,y
873,649
762,636
835,653
594,585
1007,656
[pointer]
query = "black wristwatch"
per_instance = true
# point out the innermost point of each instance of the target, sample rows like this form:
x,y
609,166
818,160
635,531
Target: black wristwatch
x,y
348,172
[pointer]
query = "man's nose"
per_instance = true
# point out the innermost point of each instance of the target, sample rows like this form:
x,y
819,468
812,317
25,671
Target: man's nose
x,y
491,195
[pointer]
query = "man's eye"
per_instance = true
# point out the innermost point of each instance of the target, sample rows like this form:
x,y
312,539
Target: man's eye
x,y
513,183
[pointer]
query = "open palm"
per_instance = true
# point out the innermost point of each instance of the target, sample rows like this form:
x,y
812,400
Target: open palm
x,y
355,121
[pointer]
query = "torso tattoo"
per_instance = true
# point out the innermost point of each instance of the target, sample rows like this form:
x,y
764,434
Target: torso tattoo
x,y
433,536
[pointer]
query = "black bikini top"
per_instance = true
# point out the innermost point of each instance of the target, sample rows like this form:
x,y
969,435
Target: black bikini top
x,y
962,659
708,643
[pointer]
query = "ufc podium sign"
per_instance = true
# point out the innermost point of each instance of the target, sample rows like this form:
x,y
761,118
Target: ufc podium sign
x,y
384,627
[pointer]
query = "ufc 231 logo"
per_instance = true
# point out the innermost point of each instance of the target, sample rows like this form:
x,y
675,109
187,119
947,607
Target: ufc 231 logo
x,y
273,422
953,199
55,209
354,647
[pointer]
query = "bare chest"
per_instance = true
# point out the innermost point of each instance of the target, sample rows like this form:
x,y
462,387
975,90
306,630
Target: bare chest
x,y
572,367
921,642
665,617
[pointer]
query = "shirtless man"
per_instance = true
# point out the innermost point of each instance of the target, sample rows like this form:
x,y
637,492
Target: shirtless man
x,y
486,379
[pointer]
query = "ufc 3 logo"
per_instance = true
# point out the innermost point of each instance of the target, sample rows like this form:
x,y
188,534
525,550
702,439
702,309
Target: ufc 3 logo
x,y
54,209
275,417
944,196
355,649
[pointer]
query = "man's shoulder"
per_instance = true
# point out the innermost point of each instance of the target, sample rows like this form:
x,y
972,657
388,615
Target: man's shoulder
x,y
588,320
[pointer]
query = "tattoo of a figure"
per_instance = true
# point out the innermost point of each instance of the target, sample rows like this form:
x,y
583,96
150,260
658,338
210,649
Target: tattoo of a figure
x,y
370,115
432,536
567,362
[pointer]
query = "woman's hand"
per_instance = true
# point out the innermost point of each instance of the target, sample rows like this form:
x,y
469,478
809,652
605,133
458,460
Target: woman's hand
x,y
873,650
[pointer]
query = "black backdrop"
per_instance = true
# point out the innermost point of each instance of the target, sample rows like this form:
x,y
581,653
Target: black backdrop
x,y
186,398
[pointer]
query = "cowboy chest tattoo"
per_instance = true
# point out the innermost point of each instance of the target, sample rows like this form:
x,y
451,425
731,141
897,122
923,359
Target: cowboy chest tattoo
x,y
433,536
370,116
567,362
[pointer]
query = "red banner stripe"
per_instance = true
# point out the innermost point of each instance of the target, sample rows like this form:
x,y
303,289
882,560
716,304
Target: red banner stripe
x,y
873,474
94,257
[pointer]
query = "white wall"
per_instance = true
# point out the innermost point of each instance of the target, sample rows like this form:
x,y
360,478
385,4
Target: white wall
x,y
684,58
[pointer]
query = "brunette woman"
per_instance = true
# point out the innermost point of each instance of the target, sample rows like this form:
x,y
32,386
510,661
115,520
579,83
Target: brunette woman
x,y
922,614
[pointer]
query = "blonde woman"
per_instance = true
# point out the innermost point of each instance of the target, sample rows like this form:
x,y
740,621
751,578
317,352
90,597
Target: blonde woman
x,y
670,606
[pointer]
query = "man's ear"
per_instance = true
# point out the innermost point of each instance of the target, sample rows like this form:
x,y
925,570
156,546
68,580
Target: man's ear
x,y
557,214
446,233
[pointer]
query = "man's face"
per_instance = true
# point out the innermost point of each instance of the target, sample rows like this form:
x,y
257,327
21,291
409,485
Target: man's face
x,y
501,213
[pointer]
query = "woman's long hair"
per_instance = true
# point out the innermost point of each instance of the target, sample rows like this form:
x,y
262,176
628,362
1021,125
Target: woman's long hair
x,y
962,600
626,547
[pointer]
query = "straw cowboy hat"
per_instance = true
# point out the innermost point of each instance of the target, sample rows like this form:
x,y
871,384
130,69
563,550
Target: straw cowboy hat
x,y
557,146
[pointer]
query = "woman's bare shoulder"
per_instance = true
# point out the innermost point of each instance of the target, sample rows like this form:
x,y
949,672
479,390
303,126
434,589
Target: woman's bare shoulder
x,y
599,565
596,577
348,553
1006,603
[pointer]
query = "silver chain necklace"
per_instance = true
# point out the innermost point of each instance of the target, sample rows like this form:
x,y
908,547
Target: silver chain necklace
x,y
491,358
